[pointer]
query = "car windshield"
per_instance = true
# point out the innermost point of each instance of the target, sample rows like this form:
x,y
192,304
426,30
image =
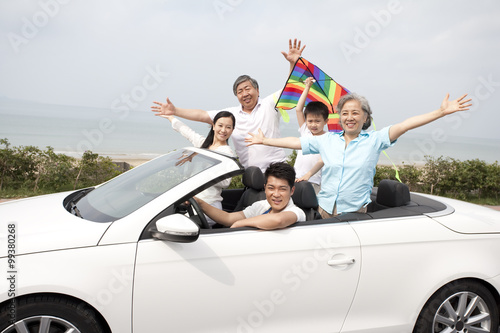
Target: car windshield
x,y
135,188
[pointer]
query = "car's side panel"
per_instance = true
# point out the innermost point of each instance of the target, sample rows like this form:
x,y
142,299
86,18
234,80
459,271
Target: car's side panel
x,y
404,262
100,276
243,281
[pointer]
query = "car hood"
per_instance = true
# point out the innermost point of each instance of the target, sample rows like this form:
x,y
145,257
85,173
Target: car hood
x,y
469,218
43,224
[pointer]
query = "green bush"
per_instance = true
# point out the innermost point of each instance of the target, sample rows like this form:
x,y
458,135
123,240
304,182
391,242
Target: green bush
x,y
94,169
27,170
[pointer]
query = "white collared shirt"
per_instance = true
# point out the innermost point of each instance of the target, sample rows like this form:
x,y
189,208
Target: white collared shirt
x,y
263,116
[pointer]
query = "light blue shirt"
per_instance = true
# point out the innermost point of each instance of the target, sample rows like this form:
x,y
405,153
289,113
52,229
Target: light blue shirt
x,y
347,177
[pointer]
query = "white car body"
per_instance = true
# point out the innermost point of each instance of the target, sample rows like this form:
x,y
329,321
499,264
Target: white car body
x,y
373,275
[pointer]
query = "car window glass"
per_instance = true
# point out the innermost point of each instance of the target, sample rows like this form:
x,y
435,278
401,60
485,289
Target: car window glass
x,y
133,189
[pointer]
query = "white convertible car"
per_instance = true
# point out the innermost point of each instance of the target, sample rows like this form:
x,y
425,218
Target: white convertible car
x,y
131,256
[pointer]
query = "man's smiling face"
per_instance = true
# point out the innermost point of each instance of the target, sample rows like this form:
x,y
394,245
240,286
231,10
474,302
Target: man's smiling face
x,y
278,193
247,96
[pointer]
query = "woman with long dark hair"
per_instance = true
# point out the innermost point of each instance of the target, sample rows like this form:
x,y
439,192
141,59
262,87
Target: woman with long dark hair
x,y
217,140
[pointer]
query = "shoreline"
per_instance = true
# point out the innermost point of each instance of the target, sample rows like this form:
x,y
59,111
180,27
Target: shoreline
x,y
133,162
136,161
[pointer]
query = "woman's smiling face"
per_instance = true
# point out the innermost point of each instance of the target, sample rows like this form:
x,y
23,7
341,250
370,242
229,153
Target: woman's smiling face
x,y
352,118
223,128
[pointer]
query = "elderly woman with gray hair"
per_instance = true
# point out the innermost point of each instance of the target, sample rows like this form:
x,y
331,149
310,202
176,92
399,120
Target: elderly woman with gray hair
x,y
350,157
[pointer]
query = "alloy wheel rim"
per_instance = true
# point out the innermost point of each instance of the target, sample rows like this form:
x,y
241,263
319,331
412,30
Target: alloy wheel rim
x,y
463,312
42,324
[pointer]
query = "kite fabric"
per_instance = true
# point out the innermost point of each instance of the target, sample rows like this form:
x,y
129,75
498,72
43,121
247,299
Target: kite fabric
x,y
324,90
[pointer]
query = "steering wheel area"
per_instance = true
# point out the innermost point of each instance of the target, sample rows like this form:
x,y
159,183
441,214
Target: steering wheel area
x,y
200,214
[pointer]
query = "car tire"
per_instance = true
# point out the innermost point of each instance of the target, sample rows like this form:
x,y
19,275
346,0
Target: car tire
x,y
458,306
54,313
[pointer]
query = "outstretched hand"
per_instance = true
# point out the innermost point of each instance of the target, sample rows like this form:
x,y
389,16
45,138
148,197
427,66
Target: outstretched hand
x,y
255,139
459,104
294,51
163,109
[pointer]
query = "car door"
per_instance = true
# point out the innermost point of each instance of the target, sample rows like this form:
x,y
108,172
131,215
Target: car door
x,y
299,279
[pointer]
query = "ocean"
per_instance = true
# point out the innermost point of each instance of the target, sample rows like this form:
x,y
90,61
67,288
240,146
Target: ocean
x,y
123,134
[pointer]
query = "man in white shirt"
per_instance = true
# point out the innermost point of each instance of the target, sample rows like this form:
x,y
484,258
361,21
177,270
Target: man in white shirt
x,y
277,211
252,113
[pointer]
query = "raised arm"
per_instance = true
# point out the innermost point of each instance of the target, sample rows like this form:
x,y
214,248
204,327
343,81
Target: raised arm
x,y
447,107
294,52
195,138
316,167
168,109
259,138
302,101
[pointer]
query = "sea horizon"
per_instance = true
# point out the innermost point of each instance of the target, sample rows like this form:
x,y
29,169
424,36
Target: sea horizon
x,y
127,134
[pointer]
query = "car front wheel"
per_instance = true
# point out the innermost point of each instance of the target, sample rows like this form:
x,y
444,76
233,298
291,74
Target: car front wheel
x,y
48,314
462,306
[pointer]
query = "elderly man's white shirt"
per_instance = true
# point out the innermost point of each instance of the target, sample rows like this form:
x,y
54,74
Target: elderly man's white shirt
x,y
264,117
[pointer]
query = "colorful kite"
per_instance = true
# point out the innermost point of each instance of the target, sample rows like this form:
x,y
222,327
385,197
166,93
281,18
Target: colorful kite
x,y
325,90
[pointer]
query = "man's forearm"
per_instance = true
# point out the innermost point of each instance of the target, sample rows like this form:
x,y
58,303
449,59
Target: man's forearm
x,y
193,114
268,221
218,215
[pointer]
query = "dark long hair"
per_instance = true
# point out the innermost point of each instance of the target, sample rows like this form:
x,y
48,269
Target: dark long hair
x,y
210,137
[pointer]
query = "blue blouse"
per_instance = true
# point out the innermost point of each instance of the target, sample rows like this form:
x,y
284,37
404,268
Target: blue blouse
x,y
347,177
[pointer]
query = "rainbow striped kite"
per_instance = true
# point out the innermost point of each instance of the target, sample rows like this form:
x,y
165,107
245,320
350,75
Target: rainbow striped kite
x,y
325,90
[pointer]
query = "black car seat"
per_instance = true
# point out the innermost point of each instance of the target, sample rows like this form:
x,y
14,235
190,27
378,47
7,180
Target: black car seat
x,y
253,179
392,193
305,198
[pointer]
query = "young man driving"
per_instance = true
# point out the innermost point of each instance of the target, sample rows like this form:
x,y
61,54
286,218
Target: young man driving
x,y
277,211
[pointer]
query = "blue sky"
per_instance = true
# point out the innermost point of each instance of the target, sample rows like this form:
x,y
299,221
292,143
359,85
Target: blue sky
x,y
404,56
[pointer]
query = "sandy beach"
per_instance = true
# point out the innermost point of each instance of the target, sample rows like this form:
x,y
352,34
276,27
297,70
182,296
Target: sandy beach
x,y
132,161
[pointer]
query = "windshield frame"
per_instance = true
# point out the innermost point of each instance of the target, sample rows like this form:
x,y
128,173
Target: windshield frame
x,y
137,187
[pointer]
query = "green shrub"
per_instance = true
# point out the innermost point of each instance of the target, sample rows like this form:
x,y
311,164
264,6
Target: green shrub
x,y
27,170
94,169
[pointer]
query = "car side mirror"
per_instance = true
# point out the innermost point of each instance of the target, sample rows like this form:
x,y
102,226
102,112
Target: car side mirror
x,y
176,228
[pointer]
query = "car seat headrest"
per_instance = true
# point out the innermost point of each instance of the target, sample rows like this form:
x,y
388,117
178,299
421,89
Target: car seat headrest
x,y
253,178
392,193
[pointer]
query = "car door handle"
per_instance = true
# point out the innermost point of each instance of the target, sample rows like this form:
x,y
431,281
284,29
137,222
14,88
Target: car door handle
x,y
341,262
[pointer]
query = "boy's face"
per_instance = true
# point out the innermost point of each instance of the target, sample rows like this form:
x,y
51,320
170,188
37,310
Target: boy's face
x,y
278,193
315,123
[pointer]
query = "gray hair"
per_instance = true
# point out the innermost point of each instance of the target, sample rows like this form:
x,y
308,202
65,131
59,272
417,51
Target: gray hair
x,y
364,106
244,78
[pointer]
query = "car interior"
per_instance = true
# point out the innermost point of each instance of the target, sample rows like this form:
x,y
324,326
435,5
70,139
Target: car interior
x,y
390,198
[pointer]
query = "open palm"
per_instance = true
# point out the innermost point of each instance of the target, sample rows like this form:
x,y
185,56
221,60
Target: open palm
x,y
459,104
163,109
294,51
